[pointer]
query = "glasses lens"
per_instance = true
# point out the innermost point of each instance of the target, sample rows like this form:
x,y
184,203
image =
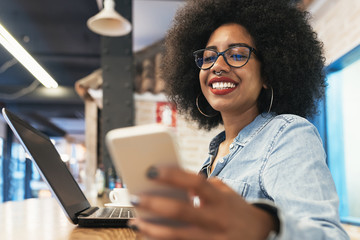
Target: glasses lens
x,y
237,56
205,58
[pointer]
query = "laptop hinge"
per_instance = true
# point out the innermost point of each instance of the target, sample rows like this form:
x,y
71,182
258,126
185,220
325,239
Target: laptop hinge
x,y
88,211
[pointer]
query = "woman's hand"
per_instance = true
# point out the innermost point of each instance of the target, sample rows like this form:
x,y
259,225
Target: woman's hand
x,y
222,213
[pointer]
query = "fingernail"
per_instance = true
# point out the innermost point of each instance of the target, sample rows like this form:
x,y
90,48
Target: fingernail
x,y
152,173
134,227
134,200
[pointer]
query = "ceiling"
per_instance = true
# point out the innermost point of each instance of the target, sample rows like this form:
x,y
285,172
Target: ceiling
x,y
55,34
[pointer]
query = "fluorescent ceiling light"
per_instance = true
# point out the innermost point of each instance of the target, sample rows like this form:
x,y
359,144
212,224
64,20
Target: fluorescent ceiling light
x,y
26,59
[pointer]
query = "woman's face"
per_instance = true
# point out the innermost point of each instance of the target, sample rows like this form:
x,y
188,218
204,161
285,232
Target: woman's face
x,y
240,96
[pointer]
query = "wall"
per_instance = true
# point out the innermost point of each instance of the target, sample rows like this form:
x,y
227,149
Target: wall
x,y
337,23
193,143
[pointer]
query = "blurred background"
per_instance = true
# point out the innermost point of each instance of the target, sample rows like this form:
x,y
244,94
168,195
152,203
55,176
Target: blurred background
x,y
108,82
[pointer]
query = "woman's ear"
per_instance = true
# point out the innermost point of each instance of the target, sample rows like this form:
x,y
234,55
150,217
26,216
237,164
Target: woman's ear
x,y
263,79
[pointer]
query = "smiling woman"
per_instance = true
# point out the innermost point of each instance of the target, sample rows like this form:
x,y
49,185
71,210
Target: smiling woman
x,y
308,86
259,76
244,74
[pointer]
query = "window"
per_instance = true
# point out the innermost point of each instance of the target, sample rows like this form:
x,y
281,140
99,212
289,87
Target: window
x,y
342,114
17,169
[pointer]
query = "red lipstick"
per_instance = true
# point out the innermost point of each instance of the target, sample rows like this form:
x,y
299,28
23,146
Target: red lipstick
x,y
222,85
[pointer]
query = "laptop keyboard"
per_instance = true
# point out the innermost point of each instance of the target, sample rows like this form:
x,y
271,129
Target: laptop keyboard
x,y
116,212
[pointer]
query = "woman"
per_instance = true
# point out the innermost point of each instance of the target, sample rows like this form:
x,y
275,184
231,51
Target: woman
x,y
258,71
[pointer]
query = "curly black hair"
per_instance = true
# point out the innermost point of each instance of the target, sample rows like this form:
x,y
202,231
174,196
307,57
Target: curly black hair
x,y
291,56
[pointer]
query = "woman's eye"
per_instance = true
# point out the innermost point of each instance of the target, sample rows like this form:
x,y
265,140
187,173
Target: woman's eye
x,y
210,59
238,57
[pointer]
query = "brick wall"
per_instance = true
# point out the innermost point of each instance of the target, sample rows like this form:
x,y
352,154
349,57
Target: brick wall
x,y
192,142
337,23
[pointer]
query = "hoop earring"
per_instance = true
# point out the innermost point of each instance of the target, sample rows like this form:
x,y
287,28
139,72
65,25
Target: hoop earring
x,y
271,99
197,105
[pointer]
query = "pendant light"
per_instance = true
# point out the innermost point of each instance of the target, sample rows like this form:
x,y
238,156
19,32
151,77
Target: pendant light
x,y
108,22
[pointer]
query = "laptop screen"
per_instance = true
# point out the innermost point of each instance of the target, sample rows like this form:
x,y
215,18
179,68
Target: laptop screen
x,y
50,165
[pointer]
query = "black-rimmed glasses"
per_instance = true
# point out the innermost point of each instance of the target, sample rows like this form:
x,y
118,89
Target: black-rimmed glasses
x,y
235,56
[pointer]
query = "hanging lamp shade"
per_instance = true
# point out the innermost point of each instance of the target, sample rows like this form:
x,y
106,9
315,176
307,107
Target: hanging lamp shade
x,y
108,22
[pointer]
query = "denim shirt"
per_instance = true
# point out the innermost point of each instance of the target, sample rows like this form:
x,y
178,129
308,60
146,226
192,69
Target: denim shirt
x,y
280,159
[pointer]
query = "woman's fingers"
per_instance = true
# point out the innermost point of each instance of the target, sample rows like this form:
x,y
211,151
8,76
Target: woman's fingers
x,y
215,197
192,183
222,212
178,210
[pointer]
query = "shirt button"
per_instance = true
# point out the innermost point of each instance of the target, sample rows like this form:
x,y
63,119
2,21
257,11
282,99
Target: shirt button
x,y
221,160
231,146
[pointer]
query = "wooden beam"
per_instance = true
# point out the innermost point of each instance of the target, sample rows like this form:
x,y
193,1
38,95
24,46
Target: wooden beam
x,y
91,145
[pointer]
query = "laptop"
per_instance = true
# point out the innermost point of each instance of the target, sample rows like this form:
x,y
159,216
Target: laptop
x,y
60,181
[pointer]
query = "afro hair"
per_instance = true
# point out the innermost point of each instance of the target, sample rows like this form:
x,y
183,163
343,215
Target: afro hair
x,y
292,61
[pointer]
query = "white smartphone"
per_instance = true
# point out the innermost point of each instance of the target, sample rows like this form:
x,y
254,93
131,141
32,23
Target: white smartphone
x,y
134,150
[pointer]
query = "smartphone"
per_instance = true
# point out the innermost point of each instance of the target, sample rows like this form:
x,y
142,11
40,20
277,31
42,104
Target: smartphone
x,y
134,150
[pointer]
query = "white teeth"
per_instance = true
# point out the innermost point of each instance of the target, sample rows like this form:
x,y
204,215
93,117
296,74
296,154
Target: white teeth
x,y
222,85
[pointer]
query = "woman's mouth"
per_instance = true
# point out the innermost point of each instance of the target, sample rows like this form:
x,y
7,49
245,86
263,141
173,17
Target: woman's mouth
x,y
222,85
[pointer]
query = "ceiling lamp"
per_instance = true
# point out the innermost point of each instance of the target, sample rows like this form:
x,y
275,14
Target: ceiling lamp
x,y
26,59
108,22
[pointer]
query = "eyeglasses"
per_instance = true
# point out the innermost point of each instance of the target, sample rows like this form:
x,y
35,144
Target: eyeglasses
x,y
236,56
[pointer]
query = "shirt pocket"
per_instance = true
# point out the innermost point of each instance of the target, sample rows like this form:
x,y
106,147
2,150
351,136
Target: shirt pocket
x,y
238,186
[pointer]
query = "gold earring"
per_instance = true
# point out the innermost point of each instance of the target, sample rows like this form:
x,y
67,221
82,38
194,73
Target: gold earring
x,y
206,115
271,99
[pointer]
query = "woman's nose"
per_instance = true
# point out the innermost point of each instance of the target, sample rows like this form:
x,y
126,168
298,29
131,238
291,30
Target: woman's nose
x,y
220,64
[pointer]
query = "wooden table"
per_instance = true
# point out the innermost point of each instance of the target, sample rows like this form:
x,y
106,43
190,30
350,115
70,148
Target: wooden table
x,y
27,220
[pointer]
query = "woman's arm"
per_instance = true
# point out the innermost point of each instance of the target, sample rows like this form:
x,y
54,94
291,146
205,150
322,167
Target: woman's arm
x,y
222,213
295,176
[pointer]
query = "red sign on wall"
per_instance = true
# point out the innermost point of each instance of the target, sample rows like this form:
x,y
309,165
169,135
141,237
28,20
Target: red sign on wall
x,y
166,114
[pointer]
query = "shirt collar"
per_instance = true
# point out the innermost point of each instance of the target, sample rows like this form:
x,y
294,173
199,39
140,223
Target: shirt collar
x,y
253,128
247,133
215,142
